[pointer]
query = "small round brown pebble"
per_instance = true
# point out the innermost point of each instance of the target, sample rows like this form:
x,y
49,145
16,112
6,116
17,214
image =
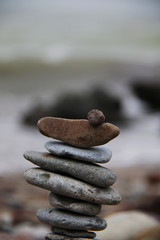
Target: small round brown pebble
x,y
95,117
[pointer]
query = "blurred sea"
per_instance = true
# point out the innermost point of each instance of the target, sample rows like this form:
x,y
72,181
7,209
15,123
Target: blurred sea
x,y
50,47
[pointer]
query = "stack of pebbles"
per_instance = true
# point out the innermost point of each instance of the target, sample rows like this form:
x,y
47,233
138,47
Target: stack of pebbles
x,y
77,184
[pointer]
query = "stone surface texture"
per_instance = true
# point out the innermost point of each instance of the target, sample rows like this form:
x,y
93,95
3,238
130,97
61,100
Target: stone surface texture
x,y
87,172
78,133
74,205
68,220
70,187
98,154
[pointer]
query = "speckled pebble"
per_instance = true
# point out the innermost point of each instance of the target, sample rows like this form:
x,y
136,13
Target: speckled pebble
x,y
99,154
74,205
68,220
87,172
70,187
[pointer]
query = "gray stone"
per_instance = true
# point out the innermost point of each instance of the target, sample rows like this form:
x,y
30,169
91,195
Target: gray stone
x,y
70,187
74,205
73,233
87,172
98,154
52,236
68,220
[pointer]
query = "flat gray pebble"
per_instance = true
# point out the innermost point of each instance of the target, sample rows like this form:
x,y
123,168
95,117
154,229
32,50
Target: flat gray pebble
x,y
93,154
73,233
87,172
74,205
70,187
52,236
68,220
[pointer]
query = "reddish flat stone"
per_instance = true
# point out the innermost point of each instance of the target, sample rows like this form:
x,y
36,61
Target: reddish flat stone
x,y
78,133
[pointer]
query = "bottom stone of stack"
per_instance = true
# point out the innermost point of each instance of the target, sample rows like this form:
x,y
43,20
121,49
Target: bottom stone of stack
x,y
68,220
52,236
73,233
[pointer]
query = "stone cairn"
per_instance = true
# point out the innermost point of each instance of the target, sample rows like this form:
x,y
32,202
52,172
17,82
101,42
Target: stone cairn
x,y
77,184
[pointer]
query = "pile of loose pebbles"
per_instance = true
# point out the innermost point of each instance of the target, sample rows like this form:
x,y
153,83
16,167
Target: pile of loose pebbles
x,y
78,185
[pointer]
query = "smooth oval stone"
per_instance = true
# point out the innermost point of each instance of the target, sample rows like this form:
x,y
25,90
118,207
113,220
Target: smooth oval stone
x,y
73,233
93,154
52,236
74,205
68,220
78,133
70,187
87,172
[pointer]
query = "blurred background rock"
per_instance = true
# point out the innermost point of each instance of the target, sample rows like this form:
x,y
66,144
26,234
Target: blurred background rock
x,y
64,58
